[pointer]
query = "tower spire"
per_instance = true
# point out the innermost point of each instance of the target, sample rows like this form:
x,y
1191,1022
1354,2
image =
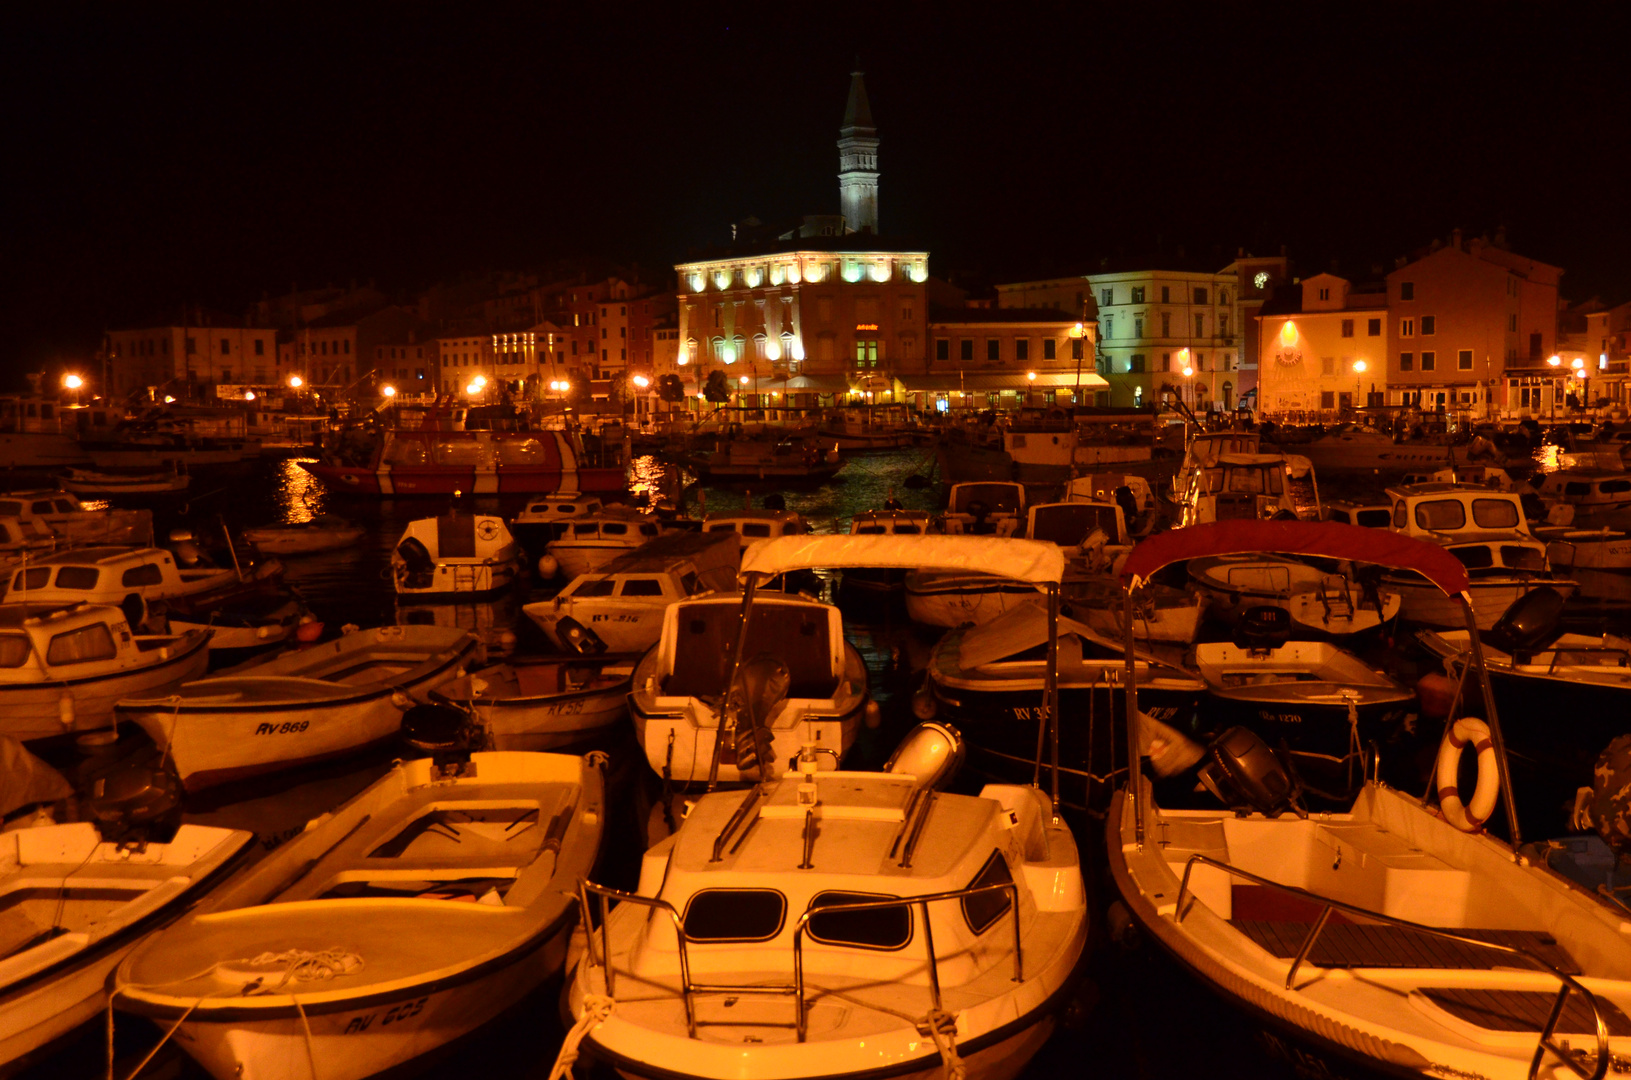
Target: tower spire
x,y
858,160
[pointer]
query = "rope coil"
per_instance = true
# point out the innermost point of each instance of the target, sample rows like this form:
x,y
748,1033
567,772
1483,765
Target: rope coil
x,y
596,1009
941,1026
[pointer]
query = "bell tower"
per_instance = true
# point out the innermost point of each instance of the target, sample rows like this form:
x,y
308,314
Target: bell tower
x,y
858,161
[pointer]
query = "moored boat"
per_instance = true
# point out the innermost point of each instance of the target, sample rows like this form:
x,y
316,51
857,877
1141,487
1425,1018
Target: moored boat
x,y
104,485
544,703
322,533
421,909
404,462
455,556
300,707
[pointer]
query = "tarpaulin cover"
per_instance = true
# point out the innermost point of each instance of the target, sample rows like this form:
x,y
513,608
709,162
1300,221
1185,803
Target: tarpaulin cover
x,y
1021,560
1326,539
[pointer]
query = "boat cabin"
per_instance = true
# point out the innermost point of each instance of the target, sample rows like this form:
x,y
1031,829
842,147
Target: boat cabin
x,y
1069,524
699,636
1241,487
752,525
667,569
621,529
1439,511
110,575
1587,490
554,509
894,523
43,643
1365,515
65,515
986,507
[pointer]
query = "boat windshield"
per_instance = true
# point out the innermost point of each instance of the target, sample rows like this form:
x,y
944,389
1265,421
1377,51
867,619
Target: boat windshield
x,y
1495,513
996,498
1070,524
1250,479
796,634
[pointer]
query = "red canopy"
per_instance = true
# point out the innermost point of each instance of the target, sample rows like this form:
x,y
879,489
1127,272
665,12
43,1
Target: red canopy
x,y
1327,539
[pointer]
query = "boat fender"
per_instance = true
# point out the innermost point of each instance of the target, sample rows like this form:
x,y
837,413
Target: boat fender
x,y
65,710
1470,816
923,704
548,566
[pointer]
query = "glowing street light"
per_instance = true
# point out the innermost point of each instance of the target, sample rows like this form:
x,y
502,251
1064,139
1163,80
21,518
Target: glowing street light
x,y
1359,369
743,380
249,395
388,390
641,381
1554,360
296,382
473,389
72,382
1577,363
479,380
169,400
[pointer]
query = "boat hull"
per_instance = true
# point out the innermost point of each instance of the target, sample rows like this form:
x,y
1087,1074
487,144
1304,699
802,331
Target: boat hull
x,y
557,721
463,581
623,627
388,481
952,601
36,711
296,541
1425,604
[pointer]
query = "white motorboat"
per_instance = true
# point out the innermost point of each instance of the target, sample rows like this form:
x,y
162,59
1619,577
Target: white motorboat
x,y
985,508
791,679
322,533
1327,602
837,924
1589,491
952,598
891,579
405,919
300,707
546,517
1237,487
68,518
754,524
115,575
75,904
1132,493
620,606
1166,614
593,540
62,668
1486,531
1205,448
455,556
104,485
1570,547
543,704
1393,934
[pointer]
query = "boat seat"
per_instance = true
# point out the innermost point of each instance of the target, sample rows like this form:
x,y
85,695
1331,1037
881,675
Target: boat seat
x,y
1349,944
1526,1010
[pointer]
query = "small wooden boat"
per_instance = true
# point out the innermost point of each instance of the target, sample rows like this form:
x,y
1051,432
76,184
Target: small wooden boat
x,y
322,533
415,913
104,485
299,707
242,626
75,905
62,668
455,556
1323,601
543,704
838,924
63,514
788,461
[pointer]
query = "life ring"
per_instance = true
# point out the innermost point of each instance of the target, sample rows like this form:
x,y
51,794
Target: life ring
x,y
487,529
1469,817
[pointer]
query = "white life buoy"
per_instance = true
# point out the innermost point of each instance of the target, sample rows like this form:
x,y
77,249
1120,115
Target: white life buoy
x,y
487,529
1468,817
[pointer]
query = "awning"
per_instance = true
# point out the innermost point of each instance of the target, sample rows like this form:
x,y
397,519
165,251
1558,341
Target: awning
x,y
1020,560
816,384
1327,539
983,381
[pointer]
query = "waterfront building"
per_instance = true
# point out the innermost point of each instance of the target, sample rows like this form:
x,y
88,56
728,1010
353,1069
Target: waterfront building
x,y
1324,350
1002,358
188,358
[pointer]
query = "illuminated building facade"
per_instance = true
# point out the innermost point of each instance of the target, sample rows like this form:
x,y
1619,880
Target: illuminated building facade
x,y
185,361
1003,358
1324,350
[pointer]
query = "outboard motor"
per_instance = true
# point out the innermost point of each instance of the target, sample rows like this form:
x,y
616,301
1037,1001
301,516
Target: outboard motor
x,y
979,511
578,637
762,683
132,796
1262,628
184,546
445,732
932,753
419,569
1245,774
1532,622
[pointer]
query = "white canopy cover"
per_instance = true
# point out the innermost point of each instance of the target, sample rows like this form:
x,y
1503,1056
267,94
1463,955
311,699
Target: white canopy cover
x,y
1021,560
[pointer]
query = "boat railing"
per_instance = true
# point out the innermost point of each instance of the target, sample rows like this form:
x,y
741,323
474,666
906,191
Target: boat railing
x,y
1567,983
795,989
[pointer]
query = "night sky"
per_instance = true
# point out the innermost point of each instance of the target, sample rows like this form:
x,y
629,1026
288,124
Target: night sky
x,y
162,154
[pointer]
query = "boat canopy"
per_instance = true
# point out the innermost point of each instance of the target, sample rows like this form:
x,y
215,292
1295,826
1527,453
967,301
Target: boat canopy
x,y
1019,629
1327,539
1020,560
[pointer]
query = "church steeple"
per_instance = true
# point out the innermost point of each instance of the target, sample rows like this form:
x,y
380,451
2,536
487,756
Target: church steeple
x,y
858,161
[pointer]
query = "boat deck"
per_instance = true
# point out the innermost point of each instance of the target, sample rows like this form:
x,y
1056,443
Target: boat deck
x,y
1526,1011
1349,944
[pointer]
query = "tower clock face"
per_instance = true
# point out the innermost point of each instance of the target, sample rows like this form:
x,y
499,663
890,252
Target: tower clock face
x,y
1262,279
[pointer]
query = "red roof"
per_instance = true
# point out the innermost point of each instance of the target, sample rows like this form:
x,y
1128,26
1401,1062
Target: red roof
x,y
1327,539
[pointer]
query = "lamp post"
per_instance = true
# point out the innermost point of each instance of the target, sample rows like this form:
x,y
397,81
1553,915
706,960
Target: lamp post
x,y
1579,367
1030,388
73,382
640,382
1554,361
1188,371
1359,371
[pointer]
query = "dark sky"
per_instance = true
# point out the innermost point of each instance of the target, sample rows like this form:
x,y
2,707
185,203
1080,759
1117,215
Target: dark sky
x,y
170,153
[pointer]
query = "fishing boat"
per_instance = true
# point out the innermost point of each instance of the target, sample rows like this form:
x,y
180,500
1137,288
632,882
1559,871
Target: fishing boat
x,y
64,515
544,519
1203,450
416,912
75,905
752,524
833,924
593,540
1318,701
1486,531
301,707
993,682
620,606
1327,601
1166,615
63,667
431,461
1589,491
135,578
543,704
723,700
105,485
1393,935
455,557
324,532
239,627
1238,487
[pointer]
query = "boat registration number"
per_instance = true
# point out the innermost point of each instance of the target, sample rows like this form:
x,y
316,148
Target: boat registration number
x,y
614,619
288,728
405,1011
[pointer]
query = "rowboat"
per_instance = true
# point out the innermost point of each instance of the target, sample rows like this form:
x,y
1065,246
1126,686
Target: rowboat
x,y
322,533
415,913
543,704
299,707
103,485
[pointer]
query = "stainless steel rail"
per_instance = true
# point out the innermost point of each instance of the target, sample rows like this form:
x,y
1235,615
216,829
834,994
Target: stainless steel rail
x,y
796,987
1567,982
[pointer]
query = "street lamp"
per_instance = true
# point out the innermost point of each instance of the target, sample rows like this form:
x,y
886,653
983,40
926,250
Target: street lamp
x,y
1359,369
388,390
641,381
1579,367
296,382
72,382
1554,360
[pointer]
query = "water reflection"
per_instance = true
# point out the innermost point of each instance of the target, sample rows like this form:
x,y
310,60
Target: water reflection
x,y
494,621
298,495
